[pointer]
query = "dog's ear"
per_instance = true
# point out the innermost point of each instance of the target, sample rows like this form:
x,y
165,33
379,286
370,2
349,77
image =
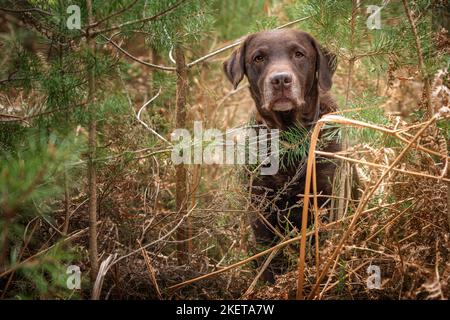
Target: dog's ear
x,y
326,64
234,66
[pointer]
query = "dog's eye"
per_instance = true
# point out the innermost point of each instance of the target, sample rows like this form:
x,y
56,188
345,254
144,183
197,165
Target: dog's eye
x,y
258,58
298,54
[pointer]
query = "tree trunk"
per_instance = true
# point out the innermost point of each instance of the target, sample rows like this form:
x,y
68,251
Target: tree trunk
x,y
181,183
92,141
66,203
345,173
425,78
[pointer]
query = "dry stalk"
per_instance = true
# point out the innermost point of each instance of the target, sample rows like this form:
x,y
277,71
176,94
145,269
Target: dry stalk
x,y
260,272
328,288
391,221
304,221
151,272
368,193
237,264
316,217
276,247
376,165
138,117
104,266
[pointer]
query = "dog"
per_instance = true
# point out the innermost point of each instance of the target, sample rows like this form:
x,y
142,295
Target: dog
x,y
290,76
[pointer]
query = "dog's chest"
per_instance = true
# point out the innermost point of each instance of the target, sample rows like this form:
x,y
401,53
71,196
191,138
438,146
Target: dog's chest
x,y
286,187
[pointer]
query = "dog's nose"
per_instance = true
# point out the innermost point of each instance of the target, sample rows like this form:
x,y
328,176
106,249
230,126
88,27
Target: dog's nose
x,y
281,80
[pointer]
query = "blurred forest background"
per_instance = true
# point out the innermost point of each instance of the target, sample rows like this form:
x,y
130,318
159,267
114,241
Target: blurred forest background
x,y
86,178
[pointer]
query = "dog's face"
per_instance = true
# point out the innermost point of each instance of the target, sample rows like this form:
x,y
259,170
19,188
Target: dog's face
x,y
285,69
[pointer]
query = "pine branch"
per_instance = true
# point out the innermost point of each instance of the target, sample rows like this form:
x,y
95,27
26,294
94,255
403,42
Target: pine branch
x,y
148,64
198,60
26,10
143,20
115,14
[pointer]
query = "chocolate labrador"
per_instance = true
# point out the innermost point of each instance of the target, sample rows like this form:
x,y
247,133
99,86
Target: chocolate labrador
x,y
290,76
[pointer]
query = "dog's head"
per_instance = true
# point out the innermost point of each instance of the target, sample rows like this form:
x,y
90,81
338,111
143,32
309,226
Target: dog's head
x,y
286,70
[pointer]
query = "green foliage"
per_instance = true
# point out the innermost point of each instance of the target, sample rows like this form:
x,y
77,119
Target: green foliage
x,y
266,23
341,27
47,277
342,274
188,23
444,126
31,174
31,171
9,132
367,109
331,23
236,18
294,145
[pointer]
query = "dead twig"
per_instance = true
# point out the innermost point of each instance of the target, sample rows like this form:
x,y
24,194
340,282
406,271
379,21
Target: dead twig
x,y
192,63
104,266
129,55
138,117
376,165
151,272
276,247
368,193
